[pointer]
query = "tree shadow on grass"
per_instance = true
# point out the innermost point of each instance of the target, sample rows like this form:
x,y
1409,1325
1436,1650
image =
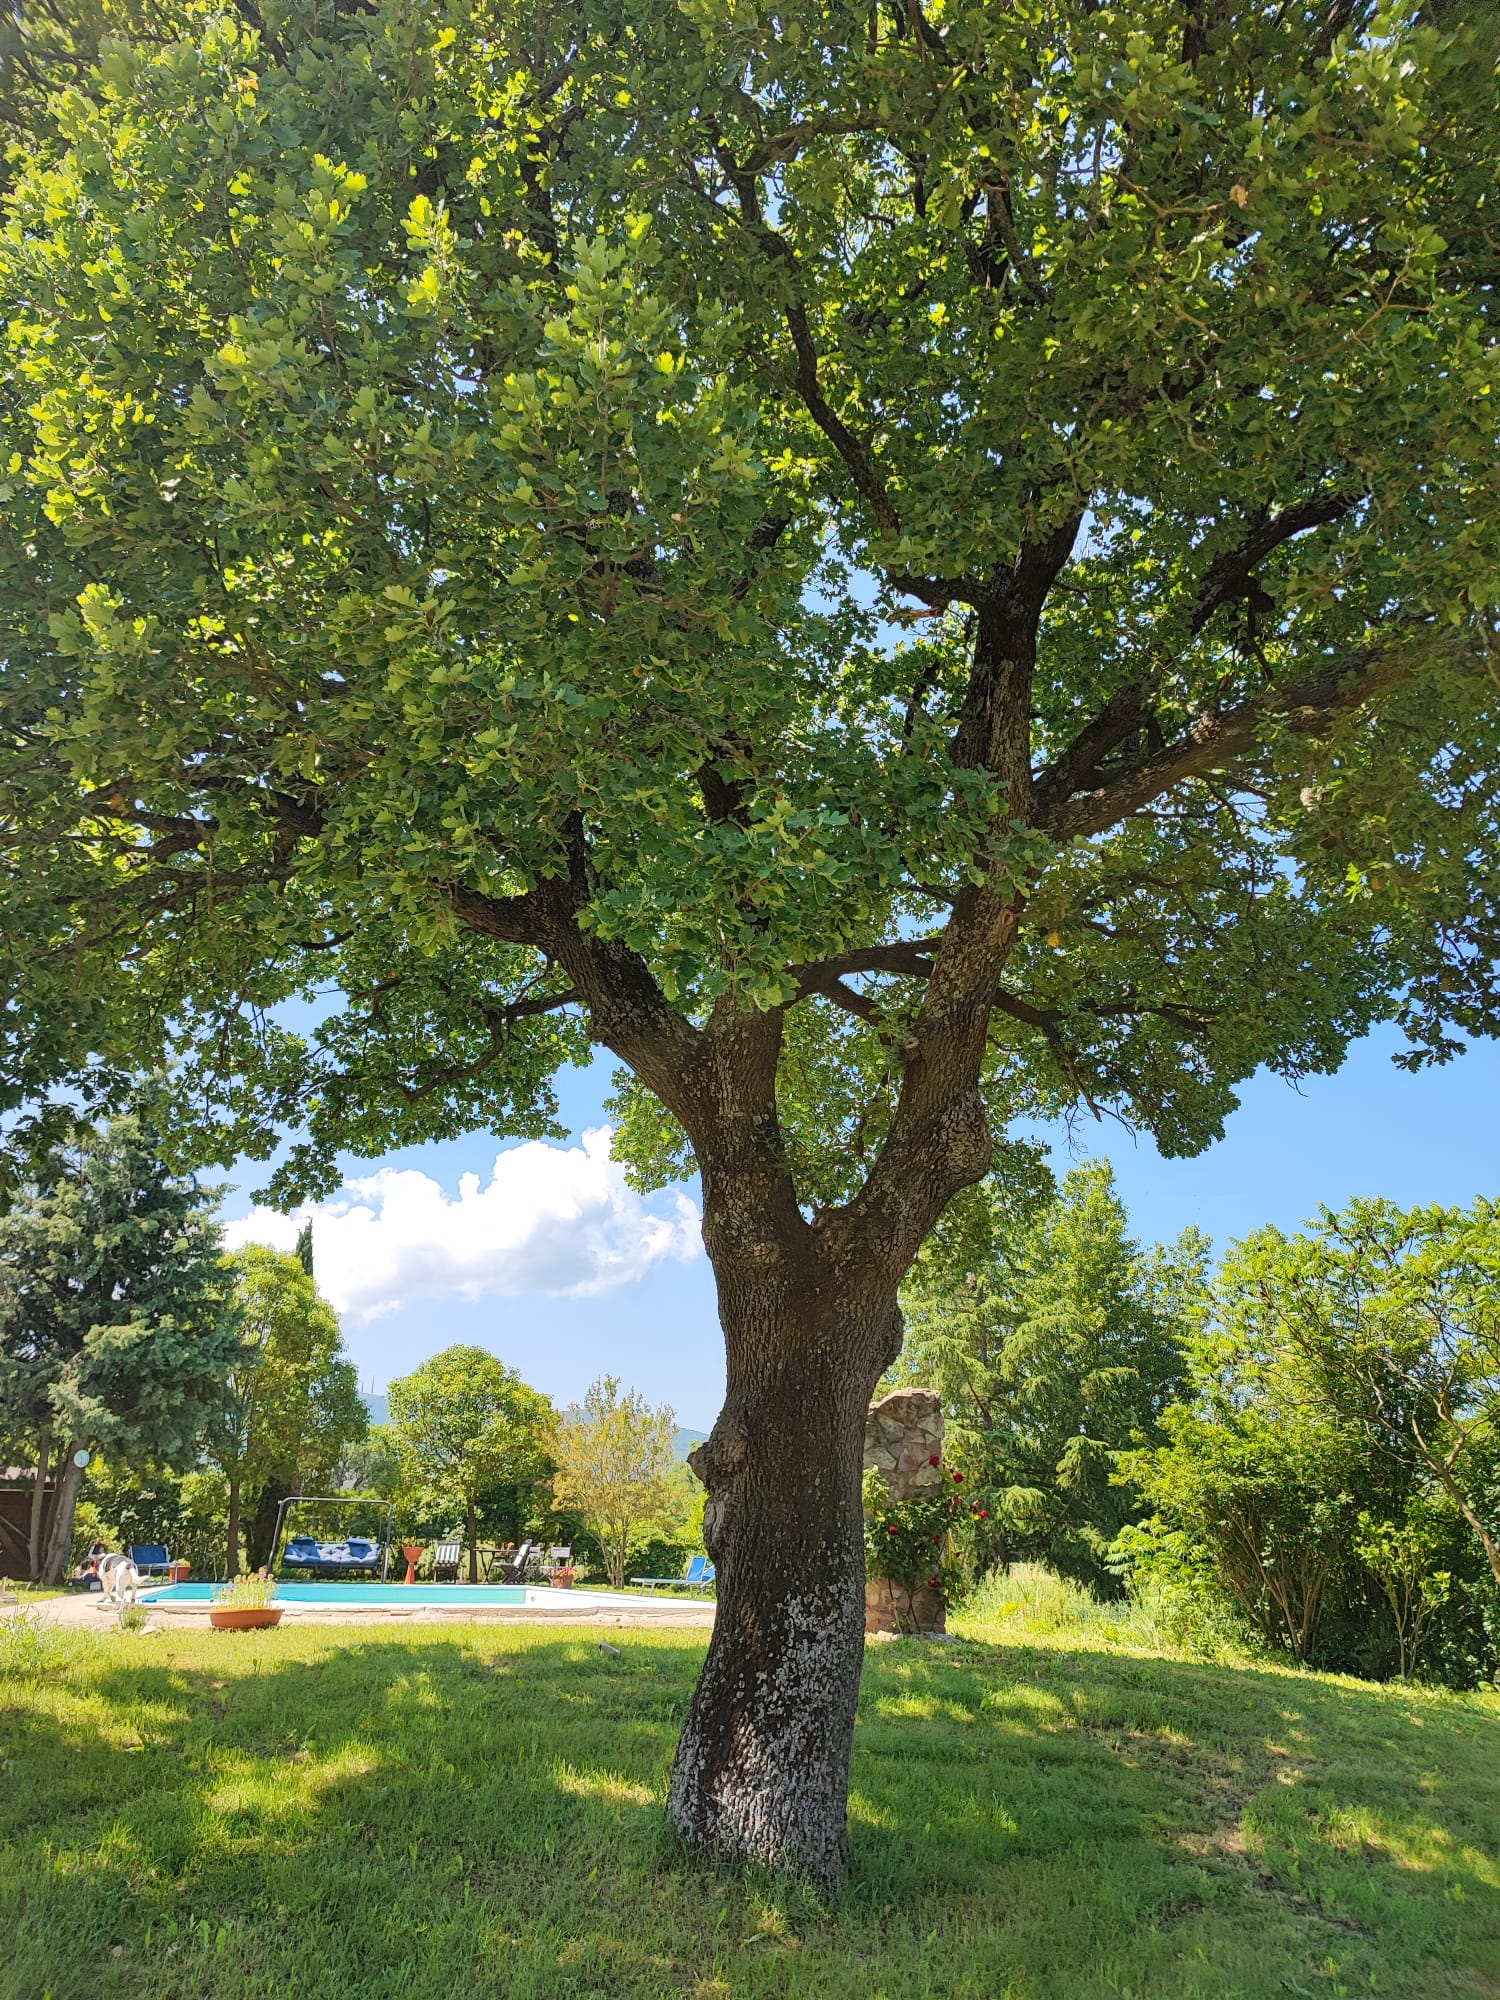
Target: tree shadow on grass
x,y
1154,1789
467,1814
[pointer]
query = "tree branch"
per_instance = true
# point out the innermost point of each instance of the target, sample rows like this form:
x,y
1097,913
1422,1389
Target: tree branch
x,y
1124,715
1214,740
913,956
1229,575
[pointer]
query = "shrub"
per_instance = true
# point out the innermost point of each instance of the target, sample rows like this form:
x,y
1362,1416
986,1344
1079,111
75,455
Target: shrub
x,y
919,1540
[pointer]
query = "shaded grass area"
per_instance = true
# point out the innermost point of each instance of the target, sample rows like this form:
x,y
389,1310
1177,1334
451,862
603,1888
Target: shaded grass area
x,y
318,1813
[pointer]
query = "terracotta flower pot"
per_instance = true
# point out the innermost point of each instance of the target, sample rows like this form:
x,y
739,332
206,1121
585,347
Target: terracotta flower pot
x,y
413,1553
178,1572
244,1617
562,1579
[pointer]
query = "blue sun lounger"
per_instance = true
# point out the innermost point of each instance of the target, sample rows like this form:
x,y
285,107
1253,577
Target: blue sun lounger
x,y
698,1575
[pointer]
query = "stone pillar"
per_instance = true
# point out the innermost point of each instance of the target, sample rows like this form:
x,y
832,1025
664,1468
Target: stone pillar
x,y
904,1444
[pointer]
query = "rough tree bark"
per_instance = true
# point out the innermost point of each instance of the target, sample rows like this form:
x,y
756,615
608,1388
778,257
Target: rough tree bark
x,y
260,1530
59,1541
762,1765
471,1524
39,1505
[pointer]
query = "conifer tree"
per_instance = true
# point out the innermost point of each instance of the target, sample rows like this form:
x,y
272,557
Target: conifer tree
x,y
117,1329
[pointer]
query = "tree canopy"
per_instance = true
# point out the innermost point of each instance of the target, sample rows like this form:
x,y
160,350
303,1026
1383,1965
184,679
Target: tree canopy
x,y
464,1422
529,515
292,1402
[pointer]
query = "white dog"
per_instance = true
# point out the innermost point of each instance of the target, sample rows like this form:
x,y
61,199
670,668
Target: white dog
x,y
120,1578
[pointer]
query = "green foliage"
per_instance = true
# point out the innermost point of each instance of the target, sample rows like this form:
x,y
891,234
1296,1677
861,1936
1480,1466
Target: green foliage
x,y
126,1504
293,1408
115,1327
1311,1474
1054,1342
617,1468
912,1541
117,1331
449,455
462,1425
1396,1318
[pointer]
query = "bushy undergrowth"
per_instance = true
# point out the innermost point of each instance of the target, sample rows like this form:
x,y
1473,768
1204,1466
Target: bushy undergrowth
x,y
1032,1599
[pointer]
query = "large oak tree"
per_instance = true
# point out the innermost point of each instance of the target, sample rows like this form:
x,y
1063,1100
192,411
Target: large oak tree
x,y
896,569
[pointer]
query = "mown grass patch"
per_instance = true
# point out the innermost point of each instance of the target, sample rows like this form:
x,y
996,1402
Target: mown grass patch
x,y
318,1813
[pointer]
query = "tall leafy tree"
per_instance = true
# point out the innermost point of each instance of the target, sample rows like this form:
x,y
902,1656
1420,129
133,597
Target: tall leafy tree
x,y
896,566
617,1468
1054,1341
293,1405
117,1329
1394,1316
462,1424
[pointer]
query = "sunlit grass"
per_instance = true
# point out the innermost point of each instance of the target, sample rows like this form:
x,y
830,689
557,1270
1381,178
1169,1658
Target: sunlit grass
x,y
1046,1812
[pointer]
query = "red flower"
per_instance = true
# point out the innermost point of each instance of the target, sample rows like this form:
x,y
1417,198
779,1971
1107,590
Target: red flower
x,y
891,1530
984,1513
958,1479
933,1459
933,1584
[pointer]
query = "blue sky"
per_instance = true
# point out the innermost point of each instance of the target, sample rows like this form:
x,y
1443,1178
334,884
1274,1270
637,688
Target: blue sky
x,y
1369,1130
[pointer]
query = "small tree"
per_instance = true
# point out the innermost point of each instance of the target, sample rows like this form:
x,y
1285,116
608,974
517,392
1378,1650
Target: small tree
x,y
116,1323
462,1423
617,1467
293,1404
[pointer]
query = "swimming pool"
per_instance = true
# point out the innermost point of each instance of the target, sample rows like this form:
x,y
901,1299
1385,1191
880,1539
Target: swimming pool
x,y
407,1595
414,1596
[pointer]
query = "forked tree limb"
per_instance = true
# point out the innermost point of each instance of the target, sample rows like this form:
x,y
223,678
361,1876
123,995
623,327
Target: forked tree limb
x,y
1213,742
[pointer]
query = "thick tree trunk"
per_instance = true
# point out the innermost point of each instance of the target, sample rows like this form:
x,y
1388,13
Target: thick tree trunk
x,y
762,1769
64,1506
260,1530
232,1539
39,1506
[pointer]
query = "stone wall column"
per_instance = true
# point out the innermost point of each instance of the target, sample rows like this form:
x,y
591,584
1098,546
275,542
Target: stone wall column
x,y
904,1444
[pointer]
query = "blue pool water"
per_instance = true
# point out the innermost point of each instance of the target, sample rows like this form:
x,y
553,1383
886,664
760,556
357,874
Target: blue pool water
x,y
410,1594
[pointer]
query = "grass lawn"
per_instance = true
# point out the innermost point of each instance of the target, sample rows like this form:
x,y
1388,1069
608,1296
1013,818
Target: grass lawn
x,y
316,1814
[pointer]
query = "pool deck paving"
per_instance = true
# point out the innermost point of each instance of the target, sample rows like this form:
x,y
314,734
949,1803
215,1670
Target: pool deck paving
x,y
658,1614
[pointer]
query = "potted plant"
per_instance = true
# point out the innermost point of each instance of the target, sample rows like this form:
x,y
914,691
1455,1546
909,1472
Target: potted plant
x,y
244,1604
562,1577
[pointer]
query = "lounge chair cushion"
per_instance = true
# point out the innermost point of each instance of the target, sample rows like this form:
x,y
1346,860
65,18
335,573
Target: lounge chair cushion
x,y
303,1551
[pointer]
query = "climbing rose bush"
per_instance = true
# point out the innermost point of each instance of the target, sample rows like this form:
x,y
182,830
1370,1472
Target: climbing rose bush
x,y
919,1540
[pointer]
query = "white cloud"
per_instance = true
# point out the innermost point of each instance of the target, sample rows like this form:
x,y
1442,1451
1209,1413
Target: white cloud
x,y
551,1219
